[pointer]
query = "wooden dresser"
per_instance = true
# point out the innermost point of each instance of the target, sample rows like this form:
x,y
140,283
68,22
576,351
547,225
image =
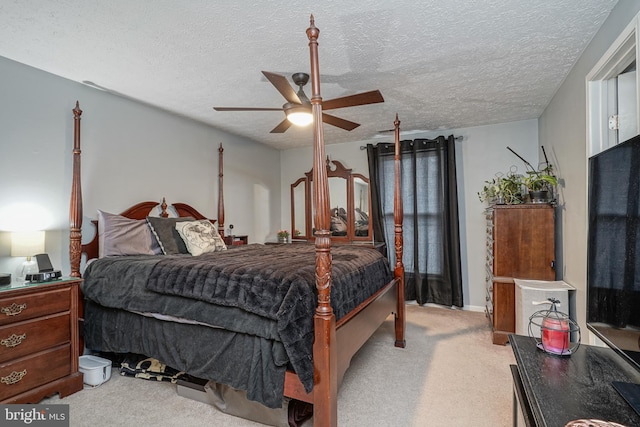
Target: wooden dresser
x,y
520,244
39,341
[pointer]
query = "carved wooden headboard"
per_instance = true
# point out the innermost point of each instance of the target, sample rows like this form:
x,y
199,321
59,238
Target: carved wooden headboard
x,y
141,211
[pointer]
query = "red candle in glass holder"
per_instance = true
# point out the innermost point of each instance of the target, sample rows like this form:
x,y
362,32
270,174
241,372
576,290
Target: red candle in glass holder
x,y
555,335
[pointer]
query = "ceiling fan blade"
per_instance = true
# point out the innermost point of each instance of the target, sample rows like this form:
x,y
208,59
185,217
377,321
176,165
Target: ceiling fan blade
x,y
338,122
364,98
284,87
282,126
245,109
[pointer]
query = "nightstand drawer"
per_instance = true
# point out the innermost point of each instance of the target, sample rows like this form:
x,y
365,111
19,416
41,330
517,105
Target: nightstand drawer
x,y
21,339
30,372
26,307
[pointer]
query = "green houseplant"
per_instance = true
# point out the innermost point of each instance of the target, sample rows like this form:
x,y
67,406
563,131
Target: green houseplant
x,y
541,184
283,236
503,190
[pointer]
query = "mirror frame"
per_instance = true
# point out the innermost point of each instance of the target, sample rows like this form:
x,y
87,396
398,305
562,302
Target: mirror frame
x,y
304,233
334,169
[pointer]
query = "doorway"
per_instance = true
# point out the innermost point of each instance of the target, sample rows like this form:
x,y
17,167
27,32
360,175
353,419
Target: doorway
x,y
612,94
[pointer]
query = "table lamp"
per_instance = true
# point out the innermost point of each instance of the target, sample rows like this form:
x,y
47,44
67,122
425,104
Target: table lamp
x,y
27,244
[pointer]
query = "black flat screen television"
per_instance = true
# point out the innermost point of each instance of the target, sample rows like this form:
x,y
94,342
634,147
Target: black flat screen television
x,y
613,253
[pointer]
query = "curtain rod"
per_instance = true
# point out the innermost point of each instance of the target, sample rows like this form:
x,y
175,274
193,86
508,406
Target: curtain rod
x,y
457,138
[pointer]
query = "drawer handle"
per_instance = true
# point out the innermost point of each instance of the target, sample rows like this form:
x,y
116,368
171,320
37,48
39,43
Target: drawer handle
x,y
14,309
13,378
14,340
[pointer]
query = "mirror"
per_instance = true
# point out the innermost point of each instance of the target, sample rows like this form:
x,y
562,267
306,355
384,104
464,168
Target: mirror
x,y
338,205
349,203
361,206
298,210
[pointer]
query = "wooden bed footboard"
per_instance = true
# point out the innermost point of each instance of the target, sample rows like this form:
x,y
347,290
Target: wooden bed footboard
x,y
352,332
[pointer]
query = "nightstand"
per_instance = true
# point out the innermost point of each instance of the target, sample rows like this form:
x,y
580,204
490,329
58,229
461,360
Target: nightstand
x,y
39,348
236,240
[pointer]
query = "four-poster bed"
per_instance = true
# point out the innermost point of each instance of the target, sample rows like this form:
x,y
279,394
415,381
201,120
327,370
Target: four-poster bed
x,y
338,324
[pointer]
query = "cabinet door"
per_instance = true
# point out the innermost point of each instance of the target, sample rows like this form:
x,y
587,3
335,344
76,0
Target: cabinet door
x,y
504,317
524,242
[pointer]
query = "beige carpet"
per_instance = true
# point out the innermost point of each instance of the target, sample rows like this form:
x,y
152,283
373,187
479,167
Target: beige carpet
x,y
450,374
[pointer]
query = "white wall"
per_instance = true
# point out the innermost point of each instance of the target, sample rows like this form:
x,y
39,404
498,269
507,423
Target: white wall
x,y
480,155
562,129
131,152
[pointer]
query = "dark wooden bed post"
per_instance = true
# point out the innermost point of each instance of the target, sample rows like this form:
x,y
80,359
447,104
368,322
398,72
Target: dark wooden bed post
x,y
398,213
220,193
325,390
75,210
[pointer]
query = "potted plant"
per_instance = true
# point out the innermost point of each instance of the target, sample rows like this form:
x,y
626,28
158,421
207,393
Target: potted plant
x,y
503,190
491,192
541,184
283,236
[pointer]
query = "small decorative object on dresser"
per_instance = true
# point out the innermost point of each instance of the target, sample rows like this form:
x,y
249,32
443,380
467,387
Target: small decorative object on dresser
x,y
553,331
513,188
39,348
283,236
27,244
503,189
5,279
232,240
541,183
236,240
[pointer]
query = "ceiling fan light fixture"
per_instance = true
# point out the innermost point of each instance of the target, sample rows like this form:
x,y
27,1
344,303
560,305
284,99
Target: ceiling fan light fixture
x,y
298,109
299,116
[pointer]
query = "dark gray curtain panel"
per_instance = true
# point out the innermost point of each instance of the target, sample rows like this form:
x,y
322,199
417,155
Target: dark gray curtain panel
x,y
431,233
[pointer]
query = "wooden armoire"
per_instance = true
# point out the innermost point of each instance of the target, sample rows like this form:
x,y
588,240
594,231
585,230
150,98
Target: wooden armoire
x,y
521,245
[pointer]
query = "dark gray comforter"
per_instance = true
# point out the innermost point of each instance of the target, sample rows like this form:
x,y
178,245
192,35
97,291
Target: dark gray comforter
x,y
266,293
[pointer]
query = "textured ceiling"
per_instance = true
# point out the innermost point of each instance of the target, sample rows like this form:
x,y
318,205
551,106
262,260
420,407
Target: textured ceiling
x,y
440,64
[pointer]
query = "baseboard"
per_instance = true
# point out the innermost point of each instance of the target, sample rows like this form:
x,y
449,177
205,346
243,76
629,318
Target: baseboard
x,y
477,308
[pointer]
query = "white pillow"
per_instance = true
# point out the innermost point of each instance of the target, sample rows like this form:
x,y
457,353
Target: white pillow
x,y
200,237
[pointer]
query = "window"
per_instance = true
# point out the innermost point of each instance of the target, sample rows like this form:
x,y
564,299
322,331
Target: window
x,y
423,209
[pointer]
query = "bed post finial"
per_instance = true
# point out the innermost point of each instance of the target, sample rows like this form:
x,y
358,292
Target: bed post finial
x,y
75,207
220,193
398,213
163,207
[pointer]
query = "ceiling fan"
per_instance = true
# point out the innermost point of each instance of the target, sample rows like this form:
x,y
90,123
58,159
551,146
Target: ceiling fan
x,y
298,106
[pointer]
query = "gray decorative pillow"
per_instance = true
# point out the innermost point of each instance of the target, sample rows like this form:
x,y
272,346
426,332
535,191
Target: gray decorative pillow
x,y
119,235
200,237
164,229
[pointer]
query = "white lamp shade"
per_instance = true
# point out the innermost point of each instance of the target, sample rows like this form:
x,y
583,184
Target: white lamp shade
x,y
299,116
27,243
